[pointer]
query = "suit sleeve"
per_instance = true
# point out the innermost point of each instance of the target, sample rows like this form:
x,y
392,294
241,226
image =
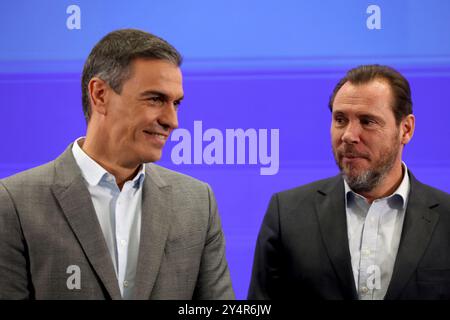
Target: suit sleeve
x,y
214,281
14,282
266,277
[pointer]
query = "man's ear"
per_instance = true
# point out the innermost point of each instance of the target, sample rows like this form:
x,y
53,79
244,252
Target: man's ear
x,y
98,95
407,127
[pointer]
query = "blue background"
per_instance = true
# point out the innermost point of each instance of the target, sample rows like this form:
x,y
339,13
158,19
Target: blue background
x,y
248,64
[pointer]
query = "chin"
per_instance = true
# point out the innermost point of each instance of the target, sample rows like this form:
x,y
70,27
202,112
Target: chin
x,y
145,153
352,171
152,157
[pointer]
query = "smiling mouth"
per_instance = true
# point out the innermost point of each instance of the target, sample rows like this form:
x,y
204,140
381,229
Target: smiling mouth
x,y
160,136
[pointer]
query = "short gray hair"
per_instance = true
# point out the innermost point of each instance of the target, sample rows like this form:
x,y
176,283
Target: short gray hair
x,y
112,56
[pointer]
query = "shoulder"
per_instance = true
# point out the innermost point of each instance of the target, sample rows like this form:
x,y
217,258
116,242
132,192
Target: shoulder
x,y
431,196
308,191
436,193
42,175
302,201
173,178
27,189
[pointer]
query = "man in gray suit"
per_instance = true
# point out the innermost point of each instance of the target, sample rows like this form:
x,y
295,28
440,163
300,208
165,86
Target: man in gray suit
x,y
374,231
102,221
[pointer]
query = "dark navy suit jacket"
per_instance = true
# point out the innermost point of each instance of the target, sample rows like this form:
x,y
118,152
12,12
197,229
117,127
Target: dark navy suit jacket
x,y
302,249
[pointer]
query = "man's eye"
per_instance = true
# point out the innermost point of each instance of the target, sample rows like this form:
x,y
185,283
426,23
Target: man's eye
x,y
177,104
368,122
339,120
155,100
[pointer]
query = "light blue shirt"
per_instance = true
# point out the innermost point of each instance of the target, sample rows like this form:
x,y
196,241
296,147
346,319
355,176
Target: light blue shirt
x,y
119,214
374,232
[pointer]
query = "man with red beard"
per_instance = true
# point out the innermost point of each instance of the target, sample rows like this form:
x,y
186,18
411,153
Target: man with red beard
x,y
373,232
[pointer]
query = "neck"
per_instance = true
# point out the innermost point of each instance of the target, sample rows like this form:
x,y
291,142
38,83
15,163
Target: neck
x,y
99,152
388,185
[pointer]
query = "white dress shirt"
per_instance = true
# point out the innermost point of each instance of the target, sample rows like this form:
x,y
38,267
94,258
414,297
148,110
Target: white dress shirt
x,y
374,232
119,214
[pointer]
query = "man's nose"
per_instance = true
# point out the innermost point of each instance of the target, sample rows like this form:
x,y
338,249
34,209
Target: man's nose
x,y
351,133
169,117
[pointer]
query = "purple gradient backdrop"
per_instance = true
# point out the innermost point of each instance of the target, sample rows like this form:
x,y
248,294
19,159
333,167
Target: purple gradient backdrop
x,y
41,115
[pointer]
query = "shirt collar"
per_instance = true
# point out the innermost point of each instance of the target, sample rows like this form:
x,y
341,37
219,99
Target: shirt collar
x,y
401,192
94,173
139,178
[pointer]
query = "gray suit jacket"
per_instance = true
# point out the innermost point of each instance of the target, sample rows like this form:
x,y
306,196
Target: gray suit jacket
x,y
48,223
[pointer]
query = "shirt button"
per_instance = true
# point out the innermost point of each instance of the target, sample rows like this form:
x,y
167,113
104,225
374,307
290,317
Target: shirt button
x,y
123,242
366,252
125,284
364,290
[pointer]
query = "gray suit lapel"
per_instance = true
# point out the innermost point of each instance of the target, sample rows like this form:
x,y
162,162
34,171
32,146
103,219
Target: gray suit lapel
x,y
75,201
156,209
418,227
330,205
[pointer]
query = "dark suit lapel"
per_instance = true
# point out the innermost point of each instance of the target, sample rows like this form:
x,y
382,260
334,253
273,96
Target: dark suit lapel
x,y
156,209
418,227
75,200
330,205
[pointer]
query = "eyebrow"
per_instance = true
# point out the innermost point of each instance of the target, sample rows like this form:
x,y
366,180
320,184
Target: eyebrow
x,y
372,116
361,115
157,93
